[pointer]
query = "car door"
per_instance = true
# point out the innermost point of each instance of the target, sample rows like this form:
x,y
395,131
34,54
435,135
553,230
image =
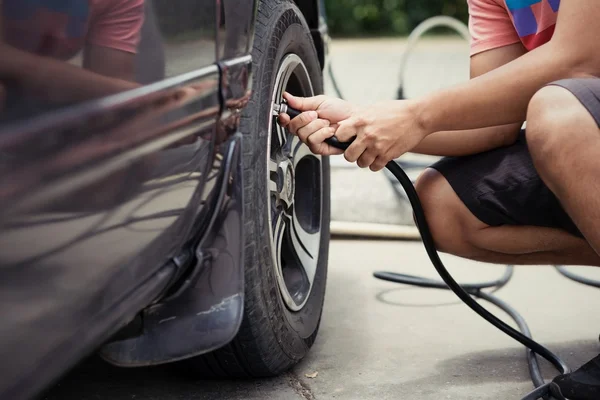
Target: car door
x,y
108,110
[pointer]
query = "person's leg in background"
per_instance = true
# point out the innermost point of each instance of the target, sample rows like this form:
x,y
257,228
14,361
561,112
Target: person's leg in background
x,y
2,96
236,35
150,60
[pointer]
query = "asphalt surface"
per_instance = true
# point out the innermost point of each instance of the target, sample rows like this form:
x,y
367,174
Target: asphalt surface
x,y
380,340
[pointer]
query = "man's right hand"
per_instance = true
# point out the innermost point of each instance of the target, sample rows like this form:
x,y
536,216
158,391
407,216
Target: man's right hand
x,y
318,121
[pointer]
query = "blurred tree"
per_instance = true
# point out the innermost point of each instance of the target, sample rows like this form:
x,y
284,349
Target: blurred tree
x,y
387,17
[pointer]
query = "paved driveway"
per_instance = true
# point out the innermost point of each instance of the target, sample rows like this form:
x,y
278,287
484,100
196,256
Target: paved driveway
x,y
383,341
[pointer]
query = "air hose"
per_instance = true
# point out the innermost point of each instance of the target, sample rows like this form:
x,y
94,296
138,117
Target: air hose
x,y
547,391
466,292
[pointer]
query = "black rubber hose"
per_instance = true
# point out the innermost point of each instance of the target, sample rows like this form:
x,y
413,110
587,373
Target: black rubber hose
x,y
542,389
472,288
454,286
577,278
429,245
465,292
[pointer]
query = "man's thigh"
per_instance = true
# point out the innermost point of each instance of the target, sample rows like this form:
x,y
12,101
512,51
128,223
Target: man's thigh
x,y
502,187
587,91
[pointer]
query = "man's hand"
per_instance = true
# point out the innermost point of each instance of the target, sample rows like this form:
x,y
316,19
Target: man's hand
x,y
383,131
318,120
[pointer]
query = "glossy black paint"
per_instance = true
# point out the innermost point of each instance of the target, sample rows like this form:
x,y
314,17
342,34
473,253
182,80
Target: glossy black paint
x,y
87,221
127,205
204,318
205,310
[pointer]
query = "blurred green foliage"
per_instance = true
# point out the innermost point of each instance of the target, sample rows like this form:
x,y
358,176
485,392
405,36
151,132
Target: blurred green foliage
x,y
387,17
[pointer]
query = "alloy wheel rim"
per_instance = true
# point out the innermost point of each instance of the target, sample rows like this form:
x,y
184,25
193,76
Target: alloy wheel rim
x,y
294,196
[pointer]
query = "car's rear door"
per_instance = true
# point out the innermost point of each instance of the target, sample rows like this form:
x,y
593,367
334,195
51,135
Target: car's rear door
x,y
98,189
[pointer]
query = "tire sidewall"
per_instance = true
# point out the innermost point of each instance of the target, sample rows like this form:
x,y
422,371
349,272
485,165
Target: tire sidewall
x,y
295,331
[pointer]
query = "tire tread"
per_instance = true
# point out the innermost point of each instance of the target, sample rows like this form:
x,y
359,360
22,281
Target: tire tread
x,y
255,351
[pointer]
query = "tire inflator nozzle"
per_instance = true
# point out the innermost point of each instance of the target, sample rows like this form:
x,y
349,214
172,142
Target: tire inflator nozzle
x,y
283,108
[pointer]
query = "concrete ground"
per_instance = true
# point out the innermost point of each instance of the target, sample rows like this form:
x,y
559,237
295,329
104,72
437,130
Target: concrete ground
x,y
380,340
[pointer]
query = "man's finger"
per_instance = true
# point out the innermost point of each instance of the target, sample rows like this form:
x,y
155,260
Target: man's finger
x,y
304,103
346,130
301,120
366,159
327,150
317,138
356,149
316,142
311,128
378,164
284,120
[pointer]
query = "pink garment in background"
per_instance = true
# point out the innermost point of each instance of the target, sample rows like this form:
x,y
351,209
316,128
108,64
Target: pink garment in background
x,y
60,29
116,23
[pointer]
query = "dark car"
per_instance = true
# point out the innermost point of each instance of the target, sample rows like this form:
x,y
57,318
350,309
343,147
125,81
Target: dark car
x,y
152,210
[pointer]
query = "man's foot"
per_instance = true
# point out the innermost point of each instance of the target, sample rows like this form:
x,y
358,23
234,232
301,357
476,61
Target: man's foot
x,y
582,384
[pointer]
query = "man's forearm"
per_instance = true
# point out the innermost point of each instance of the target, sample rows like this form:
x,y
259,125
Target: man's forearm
x,y
464,143
501,96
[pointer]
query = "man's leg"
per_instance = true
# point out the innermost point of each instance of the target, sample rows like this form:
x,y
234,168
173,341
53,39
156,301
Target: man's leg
x,y
480,207
564,141
493,207
457,231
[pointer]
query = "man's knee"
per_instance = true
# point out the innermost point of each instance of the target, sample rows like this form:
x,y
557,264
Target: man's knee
x,y
444,213
552,116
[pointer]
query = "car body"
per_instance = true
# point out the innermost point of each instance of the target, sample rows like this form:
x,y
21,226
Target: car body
x,y
121,215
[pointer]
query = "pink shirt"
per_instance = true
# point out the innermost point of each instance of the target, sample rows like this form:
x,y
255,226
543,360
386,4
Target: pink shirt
x,y
497,23
62,28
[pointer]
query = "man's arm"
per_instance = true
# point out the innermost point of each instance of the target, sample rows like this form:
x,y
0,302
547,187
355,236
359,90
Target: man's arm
x,y
501,96
388,129
461,143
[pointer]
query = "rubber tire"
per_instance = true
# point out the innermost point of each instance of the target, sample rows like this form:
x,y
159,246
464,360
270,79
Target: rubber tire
x,y
271,338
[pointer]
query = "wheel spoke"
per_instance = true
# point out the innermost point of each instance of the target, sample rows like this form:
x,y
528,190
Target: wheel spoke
x,y
306,246
300,150
279,226
293,173
273,186
272,166
281,135
272,183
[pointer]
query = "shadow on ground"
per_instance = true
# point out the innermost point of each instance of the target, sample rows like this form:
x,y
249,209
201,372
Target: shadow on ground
x,y
499,365
94,379
470,374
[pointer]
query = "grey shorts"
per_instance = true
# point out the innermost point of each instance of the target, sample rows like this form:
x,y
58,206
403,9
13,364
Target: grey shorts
x,y
502,187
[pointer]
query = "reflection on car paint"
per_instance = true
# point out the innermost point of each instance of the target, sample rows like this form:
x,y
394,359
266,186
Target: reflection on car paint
x,y
102,177
207,313
117,45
